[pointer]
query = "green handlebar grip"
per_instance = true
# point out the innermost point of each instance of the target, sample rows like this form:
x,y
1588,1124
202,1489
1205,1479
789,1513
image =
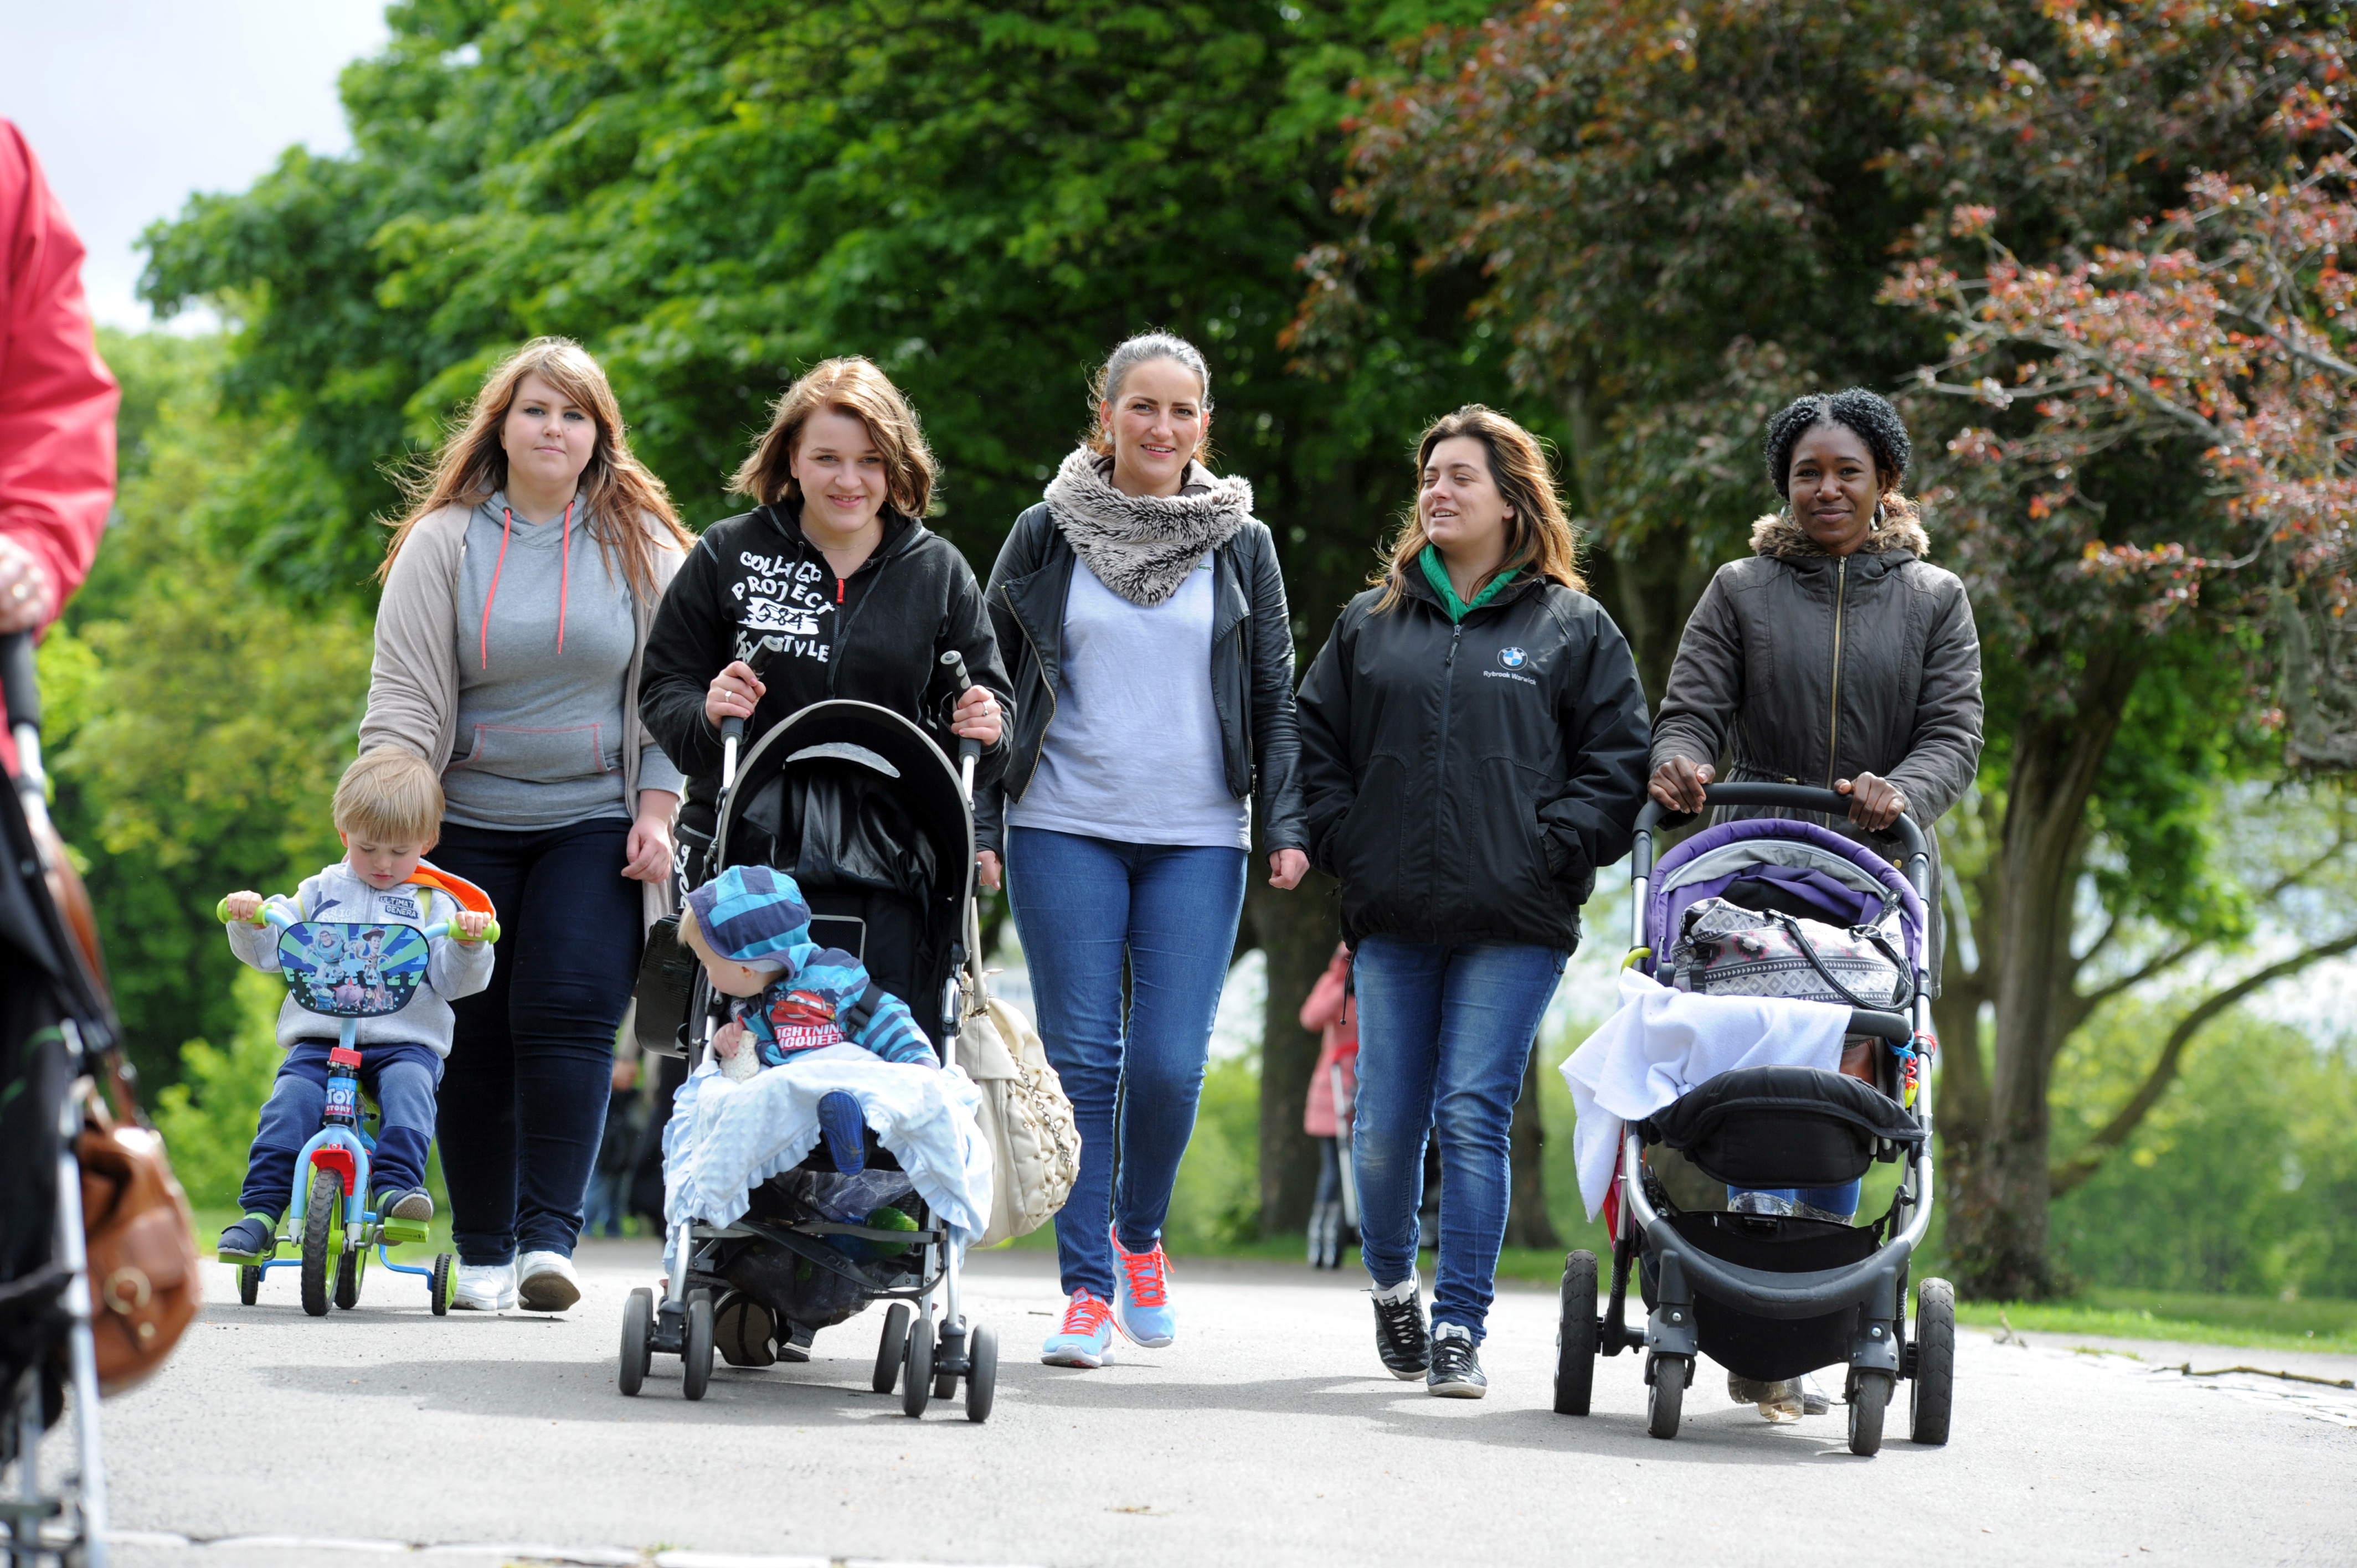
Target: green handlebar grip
x,y
491,932
221,913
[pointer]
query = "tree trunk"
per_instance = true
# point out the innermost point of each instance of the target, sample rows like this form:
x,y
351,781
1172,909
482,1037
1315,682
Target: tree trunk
x,y
1997,1222
1527,1224
1298,932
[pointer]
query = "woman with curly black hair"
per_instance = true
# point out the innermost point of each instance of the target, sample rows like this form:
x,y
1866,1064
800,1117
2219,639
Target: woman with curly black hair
x,y
1835,656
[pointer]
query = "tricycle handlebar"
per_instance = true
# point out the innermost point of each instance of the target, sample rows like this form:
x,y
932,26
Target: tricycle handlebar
x,y
271,916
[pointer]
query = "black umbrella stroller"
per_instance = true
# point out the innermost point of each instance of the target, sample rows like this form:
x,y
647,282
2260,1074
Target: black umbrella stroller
x,y
55,1029
1772,1297
866,814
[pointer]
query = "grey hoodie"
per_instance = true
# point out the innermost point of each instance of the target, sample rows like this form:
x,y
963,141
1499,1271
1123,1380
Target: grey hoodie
x,y
456,969
545,635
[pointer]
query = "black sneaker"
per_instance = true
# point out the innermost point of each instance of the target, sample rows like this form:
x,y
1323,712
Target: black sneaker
x,y
1400,1338
1456,1367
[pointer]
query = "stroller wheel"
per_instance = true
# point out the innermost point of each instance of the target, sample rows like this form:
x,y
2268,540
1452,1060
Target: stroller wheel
x,y
889,1351
695,1356
1932,1390
1669,1376
917,1370
1869,1396
638,1331
1575,1337
981,1377
320,1235
249,1284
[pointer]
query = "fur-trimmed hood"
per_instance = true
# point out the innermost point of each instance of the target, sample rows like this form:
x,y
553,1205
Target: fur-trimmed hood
x,y
1778,535
1143,547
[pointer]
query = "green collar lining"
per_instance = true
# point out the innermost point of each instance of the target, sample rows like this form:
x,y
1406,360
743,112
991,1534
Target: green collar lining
x,y
1436,573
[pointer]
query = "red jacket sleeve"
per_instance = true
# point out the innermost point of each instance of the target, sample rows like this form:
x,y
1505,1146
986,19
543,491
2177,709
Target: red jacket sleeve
x,y
56,398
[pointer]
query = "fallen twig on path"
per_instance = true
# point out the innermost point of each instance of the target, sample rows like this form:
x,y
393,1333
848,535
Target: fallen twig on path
x,y
2185,1369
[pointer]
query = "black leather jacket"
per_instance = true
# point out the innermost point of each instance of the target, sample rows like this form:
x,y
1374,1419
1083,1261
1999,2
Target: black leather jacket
x,y
1252,671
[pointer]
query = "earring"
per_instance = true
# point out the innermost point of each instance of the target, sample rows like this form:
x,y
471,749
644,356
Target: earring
x,y
1877,517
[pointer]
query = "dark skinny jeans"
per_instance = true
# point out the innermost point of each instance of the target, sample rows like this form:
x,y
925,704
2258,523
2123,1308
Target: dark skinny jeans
x,y
523,1098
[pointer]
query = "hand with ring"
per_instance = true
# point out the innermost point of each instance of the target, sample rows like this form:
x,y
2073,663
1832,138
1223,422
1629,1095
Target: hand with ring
x,y
735,693
976,716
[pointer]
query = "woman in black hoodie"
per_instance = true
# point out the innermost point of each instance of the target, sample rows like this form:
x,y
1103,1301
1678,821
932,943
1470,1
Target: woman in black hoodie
x,y
1472,750
854,596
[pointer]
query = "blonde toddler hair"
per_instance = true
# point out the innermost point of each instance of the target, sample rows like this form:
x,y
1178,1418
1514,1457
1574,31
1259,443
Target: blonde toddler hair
x,y
391,796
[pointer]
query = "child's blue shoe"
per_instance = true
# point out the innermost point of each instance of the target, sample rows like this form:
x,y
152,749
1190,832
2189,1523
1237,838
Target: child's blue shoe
x,y
250,1241
843,1125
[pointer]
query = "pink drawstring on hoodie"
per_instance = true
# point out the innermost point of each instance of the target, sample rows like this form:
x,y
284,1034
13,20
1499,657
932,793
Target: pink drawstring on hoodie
x,y
564,580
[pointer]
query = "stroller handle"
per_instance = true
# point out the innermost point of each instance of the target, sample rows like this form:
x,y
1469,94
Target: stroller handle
x,y
969,749
1796,796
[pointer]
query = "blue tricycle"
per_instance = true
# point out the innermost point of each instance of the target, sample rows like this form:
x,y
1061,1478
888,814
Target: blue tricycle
x,y
346,970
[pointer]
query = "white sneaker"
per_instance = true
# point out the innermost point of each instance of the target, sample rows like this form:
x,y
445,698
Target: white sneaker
x,y
545,1281
485,1287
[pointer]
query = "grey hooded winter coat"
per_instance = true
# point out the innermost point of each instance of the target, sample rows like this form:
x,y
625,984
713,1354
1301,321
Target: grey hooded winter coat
x,y
1798,668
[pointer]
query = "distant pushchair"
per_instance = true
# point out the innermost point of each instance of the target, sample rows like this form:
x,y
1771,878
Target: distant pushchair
x,y
56,1034
1772,1297
876,826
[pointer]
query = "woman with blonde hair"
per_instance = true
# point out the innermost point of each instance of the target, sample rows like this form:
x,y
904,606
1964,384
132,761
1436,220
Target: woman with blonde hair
x,y
833,570
1473,751
1145,619
519,592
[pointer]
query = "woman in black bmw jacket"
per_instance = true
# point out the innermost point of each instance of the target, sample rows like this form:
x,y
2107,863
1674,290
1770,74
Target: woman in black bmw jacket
x,y
1473,747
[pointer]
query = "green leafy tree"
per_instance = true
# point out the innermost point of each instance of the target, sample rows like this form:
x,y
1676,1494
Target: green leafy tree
x,y
196,727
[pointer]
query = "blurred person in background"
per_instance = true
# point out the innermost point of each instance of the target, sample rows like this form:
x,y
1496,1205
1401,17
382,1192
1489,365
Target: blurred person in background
x,y
56,405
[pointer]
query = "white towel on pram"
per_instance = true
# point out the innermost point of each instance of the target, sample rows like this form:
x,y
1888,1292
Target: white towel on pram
x,y
1665,1043
726,1138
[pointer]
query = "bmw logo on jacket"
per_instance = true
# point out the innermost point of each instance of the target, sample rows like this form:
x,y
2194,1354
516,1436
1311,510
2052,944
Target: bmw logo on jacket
x,y
1465,782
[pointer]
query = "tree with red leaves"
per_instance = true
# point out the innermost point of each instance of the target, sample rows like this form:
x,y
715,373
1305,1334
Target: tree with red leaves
x,y
1687,212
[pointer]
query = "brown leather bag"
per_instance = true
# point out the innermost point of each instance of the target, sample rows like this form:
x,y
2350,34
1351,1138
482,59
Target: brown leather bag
x,y
144,1284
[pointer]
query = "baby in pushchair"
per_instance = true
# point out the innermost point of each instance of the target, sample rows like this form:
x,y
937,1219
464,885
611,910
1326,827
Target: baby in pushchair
x,y
752,929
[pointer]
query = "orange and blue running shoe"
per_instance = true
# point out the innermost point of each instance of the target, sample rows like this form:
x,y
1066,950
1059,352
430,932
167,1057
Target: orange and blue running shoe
x,y
1141,1295
1086,1337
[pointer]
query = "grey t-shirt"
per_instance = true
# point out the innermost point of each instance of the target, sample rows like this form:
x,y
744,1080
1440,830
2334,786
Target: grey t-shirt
x,y
1132,753
540,725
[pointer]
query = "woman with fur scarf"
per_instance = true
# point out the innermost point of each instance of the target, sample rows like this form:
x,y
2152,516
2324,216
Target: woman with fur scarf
x,y
1146,631
1835,656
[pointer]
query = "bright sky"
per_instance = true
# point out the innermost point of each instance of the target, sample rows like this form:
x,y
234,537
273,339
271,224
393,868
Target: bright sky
x,y
132,104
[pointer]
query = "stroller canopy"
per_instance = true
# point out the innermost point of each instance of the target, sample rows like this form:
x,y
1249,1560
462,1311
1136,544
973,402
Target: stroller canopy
x,y
1844,881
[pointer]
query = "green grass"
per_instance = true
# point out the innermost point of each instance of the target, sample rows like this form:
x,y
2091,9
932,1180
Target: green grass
x,y
2303,1324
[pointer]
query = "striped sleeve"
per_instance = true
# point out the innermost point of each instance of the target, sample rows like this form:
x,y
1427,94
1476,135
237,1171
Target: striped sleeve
x,y
892,1033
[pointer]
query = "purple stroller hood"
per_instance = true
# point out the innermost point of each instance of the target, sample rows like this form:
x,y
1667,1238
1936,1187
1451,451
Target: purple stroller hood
x,y
1664,905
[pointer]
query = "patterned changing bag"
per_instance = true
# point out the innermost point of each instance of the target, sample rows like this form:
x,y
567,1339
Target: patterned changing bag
x,y
1726,949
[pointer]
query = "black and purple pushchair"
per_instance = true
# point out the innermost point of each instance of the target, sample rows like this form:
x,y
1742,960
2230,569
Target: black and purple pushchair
x,y
1772,1297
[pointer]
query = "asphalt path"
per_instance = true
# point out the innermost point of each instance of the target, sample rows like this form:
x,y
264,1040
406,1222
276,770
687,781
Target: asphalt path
x,y
1268,1433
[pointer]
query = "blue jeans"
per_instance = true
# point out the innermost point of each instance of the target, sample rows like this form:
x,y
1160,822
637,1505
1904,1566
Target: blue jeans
x,y
1080,905
400,1078
1445,1033
1842,1199
531,1064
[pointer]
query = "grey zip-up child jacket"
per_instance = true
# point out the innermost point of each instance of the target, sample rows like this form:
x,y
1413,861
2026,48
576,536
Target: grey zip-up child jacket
x,y
456,969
